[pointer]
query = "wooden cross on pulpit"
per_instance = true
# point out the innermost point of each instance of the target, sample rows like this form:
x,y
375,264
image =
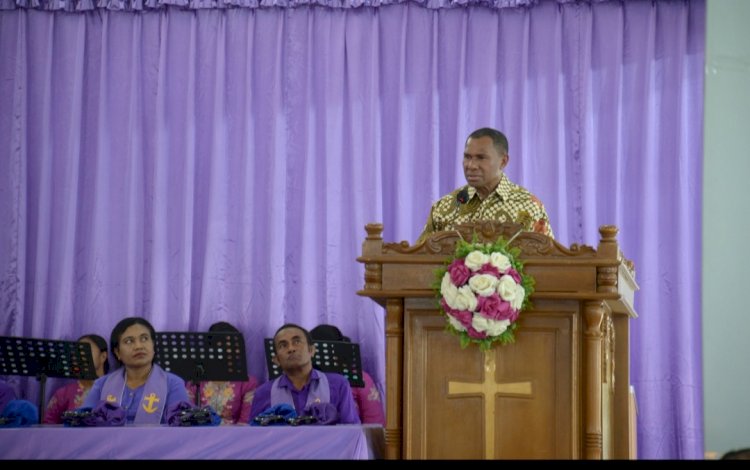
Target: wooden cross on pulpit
x,y
488,388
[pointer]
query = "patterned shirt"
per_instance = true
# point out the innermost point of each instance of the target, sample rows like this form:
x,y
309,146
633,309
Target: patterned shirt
x,y
231,400
369,404
509,202
66,398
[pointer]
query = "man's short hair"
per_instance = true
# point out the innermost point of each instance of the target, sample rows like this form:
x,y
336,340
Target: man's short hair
x,y
498,138
293,325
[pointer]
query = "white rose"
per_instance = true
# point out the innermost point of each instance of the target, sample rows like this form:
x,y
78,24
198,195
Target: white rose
x,y
500,261
480,323
483,284
465,300
491,327
497,327
517,301
506,288
448,290
475,260
455,323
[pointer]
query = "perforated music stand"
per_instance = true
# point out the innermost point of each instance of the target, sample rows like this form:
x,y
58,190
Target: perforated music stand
x,y
42,358
200,357
330,356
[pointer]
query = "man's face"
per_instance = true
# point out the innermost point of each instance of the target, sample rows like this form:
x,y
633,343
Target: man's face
x,y
483,165
292,349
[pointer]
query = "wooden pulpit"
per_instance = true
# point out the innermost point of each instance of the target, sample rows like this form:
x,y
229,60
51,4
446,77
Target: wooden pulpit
x,y
561,391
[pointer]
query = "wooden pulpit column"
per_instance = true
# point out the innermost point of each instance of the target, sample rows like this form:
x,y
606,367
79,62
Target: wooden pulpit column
x,y
560,391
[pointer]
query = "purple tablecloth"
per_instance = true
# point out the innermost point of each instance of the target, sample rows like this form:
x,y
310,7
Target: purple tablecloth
x,y
221,442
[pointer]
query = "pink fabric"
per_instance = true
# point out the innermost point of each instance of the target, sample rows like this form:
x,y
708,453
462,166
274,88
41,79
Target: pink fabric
x,y
67,397
369,402
230,400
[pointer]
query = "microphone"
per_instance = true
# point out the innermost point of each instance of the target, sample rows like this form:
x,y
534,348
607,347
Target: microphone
x,y
463,196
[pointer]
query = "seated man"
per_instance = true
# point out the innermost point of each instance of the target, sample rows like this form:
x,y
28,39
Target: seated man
x,y
300,385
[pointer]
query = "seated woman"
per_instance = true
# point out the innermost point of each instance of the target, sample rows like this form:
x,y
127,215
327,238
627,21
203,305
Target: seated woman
x,y
231,400
142,388
367,398
71,396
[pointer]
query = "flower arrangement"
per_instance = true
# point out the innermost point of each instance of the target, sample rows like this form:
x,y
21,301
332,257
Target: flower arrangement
x,y
482,291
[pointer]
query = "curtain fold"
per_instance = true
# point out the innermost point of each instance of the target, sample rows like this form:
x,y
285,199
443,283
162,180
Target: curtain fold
x,y
196,166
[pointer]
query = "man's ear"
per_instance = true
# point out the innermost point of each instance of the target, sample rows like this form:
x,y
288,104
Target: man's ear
x,y
275,360
504,160
313,350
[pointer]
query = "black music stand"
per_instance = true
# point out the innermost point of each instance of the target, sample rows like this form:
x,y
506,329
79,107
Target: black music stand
x,y
42,358
201,357
330,356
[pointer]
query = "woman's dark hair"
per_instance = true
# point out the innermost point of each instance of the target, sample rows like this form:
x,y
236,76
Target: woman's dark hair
x,y
124,324
100,343
328,333
223,327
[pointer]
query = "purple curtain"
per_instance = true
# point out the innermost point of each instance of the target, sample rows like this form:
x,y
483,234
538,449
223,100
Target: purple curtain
x,y
220,164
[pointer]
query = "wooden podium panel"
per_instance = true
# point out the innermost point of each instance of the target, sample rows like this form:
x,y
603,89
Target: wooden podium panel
x,y
447,402
560,391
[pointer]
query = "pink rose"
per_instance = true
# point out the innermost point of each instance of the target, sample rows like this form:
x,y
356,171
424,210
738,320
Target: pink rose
x,y
514,274
463,316
494,308
475,334
446,307
487,268
513,315
459,272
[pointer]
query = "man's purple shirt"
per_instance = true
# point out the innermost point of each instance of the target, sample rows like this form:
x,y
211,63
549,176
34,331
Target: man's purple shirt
x,y
341,396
